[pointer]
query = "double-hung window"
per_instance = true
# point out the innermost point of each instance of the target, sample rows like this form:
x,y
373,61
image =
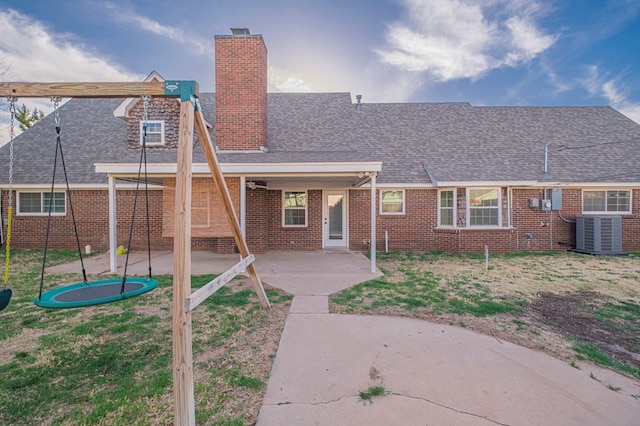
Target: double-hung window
x,y
391,202
483,207
154,134
606,201
446,207
37,203
294,204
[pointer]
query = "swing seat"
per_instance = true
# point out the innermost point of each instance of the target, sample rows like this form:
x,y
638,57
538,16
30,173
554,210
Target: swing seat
x,y
94,293
5,296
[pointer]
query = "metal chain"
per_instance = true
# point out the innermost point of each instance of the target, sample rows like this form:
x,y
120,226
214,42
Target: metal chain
x,y
12,110
145,113
56,113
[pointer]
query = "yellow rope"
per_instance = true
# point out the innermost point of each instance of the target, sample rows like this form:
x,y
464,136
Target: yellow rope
x,y
8,245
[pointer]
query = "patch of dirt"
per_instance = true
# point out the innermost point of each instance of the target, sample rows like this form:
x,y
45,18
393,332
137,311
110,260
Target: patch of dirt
x,y
572,314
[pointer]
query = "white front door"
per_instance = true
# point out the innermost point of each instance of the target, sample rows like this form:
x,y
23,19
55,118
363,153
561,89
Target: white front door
x,y
335,219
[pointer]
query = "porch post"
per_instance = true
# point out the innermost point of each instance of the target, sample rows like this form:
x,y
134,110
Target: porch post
x,y
113,231
243,206
372,245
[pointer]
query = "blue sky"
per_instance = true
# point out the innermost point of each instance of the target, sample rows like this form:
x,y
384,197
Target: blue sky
x,y
485,52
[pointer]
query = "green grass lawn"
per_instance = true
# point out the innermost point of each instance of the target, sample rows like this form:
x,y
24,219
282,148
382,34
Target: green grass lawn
x,y
111,364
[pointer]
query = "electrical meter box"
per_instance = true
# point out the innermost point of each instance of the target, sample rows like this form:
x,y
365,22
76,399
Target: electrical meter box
x,y
556,199
545,205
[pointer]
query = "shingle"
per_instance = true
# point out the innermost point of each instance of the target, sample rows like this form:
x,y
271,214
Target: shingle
x,y
454,141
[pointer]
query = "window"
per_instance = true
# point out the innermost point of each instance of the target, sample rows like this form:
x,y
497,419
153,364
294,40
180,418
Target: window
x,y
392,202
606,201
38,203
446,208
155,132
483,207
295,208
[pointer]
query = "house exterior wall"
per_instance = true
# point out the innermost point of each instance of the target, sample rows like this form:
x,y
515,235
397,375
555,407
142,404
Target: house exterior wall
x,y
416,230
264,223
532,228
91,209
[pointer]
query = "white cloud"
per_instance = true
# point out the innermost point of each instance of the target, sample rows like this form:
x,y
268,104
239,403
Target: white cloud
x,y
599,85
283,80
454,39
128,16
31,52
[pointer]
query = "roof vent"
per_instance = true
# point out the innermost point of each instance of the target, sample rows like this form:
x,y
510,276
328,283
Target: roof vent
x,y
240,31
358,103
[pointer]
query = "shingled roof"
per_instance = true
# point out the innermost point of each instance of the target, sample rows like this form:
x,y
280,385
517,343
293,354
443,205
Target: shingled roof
x,y
418,143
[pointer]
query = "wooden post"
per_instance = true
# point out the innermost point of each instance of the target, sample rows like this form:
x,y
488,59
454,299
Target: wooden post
x,y
221,185
184,403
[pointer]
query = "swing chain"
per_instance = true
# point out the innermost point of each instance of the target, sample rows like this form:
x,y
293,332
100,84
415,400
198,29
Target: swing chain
x,y
145,115
146,99
56,113
12,110
12,133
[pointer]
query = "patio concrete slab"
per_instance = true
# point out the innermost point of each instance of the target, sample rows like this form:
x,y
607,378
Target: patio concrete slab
x,y
435,374
297,273
310,305
317,273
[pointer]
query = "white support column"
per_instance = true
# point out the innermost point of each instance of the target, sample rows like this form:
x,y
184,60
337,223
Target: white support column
x,y
113,230
243,206
372,245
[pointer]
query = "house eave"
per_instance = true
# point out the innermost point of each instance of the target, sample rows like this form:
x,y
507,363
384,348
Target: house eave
x,y
484,183
249,169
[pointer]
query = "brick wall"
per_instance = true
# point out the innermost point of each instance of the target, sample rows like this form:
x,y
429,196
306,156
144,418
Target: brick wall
x,y
241,92
532,229
416,230
208,215
264,223
91,208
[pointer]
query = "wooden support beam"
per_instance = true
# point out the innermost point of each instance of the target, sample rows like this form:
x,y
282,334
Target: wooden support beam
x,y
184,405
93,90
200,295
218,178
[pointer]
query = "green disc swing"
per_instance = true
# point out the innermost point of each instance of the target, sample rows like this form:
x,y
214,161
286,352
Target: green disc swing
x,y
5,293
88,293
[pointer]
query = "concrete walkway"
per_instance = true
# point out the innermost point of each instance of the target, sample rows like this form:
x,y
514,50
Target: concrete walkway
x,y
433,374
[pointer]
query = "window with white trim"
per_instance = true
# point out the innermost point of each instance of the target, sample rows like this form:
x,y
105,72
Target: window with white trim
x,y
155,132
294,208
606,201
391,201
37,203
446,207
483,207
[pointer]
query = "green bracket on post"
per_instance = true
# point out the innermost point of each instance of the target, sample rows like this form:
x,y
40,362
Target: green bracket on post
x,y
186,89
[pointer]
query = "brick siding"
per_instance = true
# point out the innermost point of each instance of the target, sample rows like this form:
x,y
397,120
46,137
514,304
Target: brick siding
x,y
532,229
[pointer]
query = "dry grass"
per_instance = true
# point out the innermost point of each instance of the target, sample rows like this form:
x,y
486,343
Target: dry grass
x,y
528,276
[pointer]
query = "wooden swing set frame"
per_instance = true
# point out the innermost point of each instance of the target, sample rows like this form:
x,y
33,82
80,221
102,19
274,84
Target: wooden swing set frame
x,y
183,300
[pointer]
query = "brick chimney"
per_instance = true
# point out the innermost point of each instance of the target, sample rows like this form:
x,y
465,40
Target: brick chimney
x,y
241,91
